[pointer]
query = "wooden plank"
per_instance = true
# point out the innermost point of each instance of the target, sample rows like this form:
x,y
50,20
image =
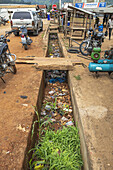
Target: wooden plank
x,y
51,64
46,59
77,38
78,28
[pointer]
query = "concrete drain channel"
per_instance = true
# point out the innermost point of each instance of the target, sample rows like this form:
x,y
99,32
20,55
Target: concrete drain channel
x,y
54,141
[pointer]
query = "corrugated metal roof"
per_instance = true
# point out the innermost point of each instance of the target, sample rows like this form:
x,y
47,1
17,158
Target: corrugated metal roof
x,y
105,10
81,10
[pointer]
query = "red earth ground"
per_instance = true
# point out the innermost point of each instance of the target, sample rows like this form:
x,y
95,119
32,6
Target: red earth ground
x,y
17,113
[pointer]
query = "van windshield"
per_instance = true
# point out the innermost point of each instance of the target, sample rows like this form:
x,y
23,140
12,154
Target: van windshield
x,y
21,15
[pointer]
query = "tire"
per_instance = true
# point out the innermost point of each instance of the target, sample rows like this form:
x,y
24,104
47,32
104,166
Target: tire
x,y
13,69
16,33
83,46
42,27
73,51
25,47
36,32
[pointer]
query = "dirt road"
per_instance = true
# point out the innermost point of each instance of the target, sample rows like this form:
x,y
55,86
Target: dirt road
x,y
16,113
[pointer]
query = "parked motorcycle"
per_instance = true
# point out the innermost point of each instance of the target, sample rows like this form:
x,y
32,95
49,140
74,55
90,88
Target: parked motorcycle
x,y
25,39
3,20
7,59
94,39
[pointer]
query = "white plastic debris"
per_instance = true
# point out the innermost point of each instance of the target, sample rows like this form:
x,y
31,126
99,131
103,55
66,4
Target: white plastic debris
x,y
53,120
51,92
48,107
19,127
26,105
43,113
64,118
70,123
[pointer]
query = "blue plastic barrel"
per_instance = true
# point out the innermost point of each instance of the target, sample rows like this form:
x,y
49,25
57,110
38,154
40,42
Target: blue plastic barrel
x,y
68,24
48,17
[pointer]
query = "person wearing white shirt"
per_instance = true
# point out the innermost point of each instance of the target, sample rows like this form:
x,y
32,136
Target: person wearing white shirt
x,y
110,26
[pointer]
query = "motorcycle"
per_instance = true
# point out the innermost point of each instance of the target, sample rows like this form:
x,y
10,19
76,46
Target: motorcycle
x,y
7,59
94,39
25,39
3,20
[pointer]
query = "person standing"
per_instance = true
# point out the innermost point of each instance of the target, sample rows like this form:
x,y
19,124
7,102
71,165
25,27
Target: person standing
x,y
110,26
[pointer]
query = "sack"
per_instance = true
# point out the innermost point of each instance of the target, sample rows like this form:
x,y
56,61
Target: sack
x,y
106,33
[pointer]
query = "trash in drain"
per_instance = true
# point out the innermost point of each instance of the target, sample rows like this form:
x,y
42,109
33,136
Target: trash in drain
x,y
56,76
53,48
58,138
58,144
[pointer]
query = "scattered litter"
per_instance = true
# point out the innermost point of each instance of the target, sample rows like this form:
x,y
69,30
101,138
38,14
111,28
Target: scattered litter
x,y
64,118
53,120
26,105
19,127
70,123
48,107
8,152
60,94
24,97
43,113
4,92
51,92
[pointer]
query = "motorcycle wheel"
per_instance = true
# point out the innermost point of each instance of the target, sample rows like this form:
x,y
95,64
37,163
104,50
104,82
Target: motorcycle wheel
x,y
83,49
16,33
13,69
25,47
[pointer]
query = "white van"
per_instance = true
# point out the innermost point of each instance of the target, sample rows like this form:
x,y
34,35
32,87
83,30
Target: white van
x,y
30,18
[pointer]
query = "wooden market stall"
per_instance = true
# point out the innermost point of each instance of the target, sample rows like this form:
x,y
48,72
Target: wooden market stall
x,y
80,22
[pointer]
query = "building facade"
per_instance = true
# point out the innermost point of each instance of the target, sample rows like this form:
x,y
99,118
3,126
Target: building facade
x,y
88,1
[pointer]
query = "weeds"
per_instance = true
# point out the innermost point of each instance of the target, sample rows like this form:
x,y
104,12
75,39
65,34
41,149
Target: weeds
x,y
78,77
58,150
41,122
55,149
50,49
43,34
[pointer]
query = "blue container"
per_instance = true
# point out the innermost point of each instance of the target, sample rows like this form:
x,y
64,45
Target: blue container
x,y
94,67
68,24
105,61
100,28
48,17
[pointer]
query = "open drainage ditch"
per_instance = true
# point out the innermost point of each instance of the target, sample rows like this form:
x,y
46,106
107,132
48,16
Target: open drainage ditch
x,y
54,134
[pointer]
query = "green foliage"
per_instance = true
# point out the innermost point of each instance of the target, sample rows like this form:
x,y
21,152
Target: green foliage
x,y
41,122
78,77
59,150
50,49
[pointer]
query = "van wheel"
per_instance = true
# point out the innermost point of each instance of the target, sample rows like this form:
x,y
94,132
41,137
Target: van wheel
x,y
42,27
36,32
